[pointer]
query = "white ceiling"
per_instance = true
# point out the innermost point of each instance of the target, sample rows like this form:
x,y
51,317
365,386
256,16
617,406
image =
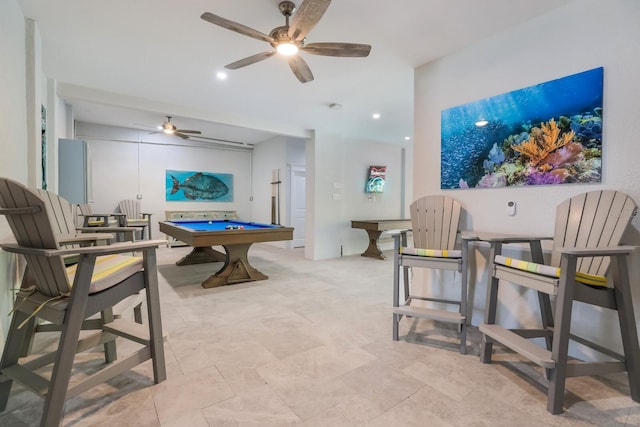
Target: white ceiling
x,y
131,62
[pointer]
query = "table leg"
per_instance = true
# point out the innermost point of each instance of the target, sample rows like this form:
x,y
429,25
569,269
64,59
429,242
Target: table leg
x,y
202,254
374,251
236,268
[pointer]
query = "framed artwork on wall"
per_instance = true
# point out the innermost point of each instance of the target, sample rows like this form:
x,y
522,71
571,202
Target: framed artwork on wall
x,y
549,133
376,179
193,186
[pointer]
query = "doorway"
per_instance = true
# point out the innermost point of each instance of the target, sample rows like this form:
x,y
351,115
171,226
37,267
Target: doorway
x,y
297,207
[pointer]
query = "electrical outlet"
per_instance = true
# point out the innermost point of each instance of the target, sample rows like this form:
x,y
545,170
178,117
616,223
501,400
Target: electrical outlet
x,y
139,196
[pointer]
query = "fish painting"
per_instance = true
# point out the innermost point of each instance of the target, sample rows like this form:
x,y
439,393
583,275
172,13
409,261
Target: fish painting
x,y
200,186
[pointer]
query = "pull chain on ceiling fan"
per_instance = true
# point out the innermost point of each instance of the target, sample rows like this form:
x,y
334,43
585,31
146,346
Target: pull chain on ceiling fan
x,y
290,39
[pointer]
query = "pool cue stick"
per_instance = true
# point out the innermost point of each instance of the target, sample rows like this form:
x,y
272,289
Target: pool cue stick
x,y
274,183
278,184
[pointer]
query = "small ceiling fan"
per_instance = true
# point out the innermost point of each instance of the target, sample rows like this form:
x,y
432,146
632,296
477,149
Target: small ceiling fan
x,y
290,39
170,129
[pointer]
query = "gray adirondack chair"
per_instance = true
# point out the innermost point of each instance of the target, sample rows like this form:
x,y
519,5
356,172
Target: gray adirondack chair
x,y
134,217
71,236
63,219
66,296
435,223
587,265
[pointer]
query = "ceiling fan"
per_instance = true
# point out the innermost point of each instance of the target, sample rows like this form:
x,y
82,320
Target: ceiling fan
x,y
290,39
170,129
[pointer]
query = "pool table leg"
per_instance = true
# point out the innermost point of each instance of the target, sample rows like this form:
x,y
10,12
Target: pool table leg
x,y
236,268
202,254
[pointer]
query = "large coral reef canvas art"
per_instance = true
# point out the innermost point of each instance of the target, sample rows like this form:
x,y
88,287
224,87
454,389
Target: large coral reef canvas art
x,y
549,133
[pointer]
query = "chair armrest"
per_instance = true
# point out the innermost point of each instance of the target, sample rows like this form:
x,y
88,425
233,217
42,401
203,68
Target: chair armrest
x,y
66,239
507,238
104,217
88,250
603,251
101,230
469,235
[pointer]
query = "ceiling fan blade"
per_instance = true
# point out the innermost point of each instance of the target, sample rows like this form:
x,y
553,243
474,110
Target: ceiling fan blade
x,y
306,17
234,26
181,135
195,132
353,50
300,69
250,60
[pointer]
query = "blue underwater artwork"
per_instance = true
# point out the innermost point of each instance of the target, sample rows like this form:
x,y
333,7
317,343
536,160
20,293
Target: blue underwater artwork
x,y
188,186
550,133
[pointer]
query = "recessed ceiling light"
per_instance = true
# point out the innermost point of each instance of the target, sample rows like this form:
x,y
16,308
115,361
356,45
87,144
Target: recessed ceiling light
x,y
376,116
221,75
406,138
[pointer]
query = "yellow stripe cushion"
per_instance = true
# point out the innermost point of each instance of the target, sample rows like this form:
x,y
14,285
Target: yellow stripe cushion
x,y
99,222
109,270
436,253
547,270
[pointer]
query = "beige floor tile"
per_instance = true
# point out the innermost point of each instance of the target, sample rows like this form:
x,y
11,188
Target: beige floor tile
x,y
258,406
312,346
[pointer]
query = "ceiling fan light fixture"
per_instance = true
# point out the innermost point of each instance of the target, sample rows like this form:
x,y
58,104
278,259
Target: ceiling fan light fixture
x,y
287,49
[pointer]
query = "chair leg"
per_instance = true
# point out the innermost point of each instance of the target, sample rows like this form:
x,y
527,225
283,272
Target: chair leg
x,y
396,320
153,314
137,313
486,346
463,339
546,312
560,347
396,285
30,333
464,278
59,383
110,351
627,322
12,349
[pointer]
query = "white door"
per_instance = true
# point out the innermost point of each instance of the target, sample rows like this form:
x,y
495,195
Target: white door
x,y
298,205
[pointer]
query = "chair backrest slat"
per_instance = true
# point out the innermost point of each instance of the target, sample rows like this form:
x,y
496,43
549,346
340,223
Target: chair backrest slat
x,y
591,220
435,222
61,212
131,208
35,230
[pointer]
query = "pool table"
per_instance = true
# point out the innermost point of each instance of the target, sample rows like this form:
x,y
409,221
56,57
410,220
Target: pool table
x,y
202,235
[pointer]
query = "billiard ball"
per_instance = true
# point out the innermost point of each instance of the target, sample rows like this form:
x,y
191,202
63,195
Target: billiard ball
x,y
241,227
210,222
229,227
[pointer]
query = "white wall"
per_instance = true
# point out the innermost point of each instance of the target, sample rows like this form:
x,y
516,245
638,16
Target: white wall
x,y
120,172
13,138
279,152
336,192
580,36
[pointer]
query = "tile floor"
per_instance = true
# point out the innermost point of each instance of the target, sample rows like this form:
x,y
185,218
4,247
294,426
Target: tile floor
x,y
312,346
